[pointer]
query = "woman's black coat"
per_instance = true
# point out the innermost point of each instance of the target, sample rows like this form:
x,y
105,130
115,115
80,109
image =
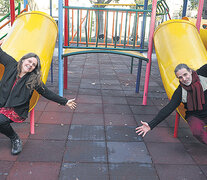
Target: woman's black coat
x,y
19,97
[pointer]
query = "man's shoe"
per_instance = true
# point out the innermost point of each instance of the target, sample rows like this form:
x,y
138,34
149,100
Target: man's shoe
x,y
16,146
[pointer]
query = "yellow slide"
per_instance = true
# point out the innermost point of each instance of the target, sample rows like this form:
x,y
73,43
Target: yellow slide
x,y
203,28
177,41
32,32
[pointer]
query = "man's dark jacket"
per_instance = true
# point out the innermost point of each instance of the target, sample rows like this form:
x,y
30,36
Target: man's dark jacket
x,y
19,97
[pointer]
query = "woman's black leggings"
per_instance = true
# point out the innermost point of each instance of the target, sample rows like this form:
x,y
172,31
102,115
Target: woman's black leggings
x,y
5,127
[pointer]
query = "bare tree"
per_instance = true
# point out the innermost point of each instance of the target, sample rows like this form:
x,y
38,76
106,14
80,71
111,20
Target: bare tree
x,y
33,5
5,6
205,10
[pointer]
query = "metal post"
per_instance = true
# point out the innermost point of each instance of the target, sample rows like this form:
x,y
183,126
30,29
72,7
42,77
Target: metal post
x,y
199,16
142,47
60,45
25,3
51,8
66,44
32,131
51,68
12,11
185,2
149,53
177,119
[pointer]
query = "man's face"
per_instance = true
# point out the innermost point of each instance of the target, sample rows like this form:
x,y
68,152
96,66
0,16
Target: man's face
x,y
184,76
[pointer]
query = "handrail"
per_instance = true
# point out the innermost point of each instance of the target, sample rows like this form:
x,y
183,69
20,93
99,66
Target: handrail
x,y
129,38
7,15
108,9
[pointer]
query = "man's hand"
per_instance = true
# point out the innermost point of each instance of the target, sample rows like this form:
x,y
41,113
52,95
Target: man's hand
x,y
143,129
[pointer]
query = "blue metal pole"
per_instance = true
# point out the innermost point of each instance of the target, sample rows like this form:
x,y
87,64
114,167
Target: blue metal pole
x,y
185,3
50,7
25,3
60,45
142,46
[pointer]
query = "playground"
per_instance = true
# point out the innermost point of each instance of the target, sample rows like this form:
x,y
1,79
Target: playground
x,y
118,62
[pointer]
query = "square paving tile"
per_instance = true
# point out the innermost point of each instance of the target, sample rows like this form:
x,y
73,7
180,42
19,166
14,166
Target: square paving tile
x,y
52,106
185,136
34,171
42,150
122,133
84,171
110,82
179,172
50,132
148,118
89,108
107,76
41,105
56,117
5,151
119,120
114,100
80,132
89,99
88,119
171,121
160,102
132,93
144,110
86,91
160,134
132,171
204,169
85,151
5,167
169,153
37,115
112,86
112,92
128,152
198,151
136,101
91,85
116,109
22,129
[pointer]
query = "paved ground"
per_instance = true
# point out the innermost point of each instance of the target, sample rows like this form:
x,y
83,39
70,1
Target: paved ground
x,y
97,141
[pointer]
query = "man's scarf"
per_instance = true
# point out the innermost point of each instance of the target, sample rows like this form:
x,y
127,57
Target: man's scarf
x,y
195,94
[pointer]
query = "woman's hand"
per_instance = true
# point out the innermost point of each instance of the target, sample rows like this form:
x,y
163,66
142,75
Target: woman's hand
x,y
71,103
143,129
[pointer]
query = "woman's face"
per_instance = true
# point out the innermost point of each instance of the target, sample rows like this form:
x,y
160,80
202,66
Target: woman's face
x,y
28,65
184,76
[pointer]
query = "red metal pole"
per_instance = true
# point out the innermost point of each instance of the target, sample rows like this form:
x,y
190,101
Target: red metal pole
x,y
12,11
199,16
177,119
32,131
66,44
149,53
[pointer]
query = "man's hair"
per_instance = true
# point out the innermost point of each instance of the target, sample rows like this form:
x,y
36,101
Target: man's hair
x,y
181,66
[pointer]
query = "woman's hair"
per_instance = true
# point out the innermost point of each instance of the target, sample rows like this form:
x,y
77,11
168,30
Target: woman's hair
x,y
181,66
35,77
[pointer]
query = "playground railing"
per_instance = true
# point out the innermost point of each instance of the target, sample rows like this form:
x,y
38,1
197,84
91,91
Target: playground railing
x,y
18,9
104,28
